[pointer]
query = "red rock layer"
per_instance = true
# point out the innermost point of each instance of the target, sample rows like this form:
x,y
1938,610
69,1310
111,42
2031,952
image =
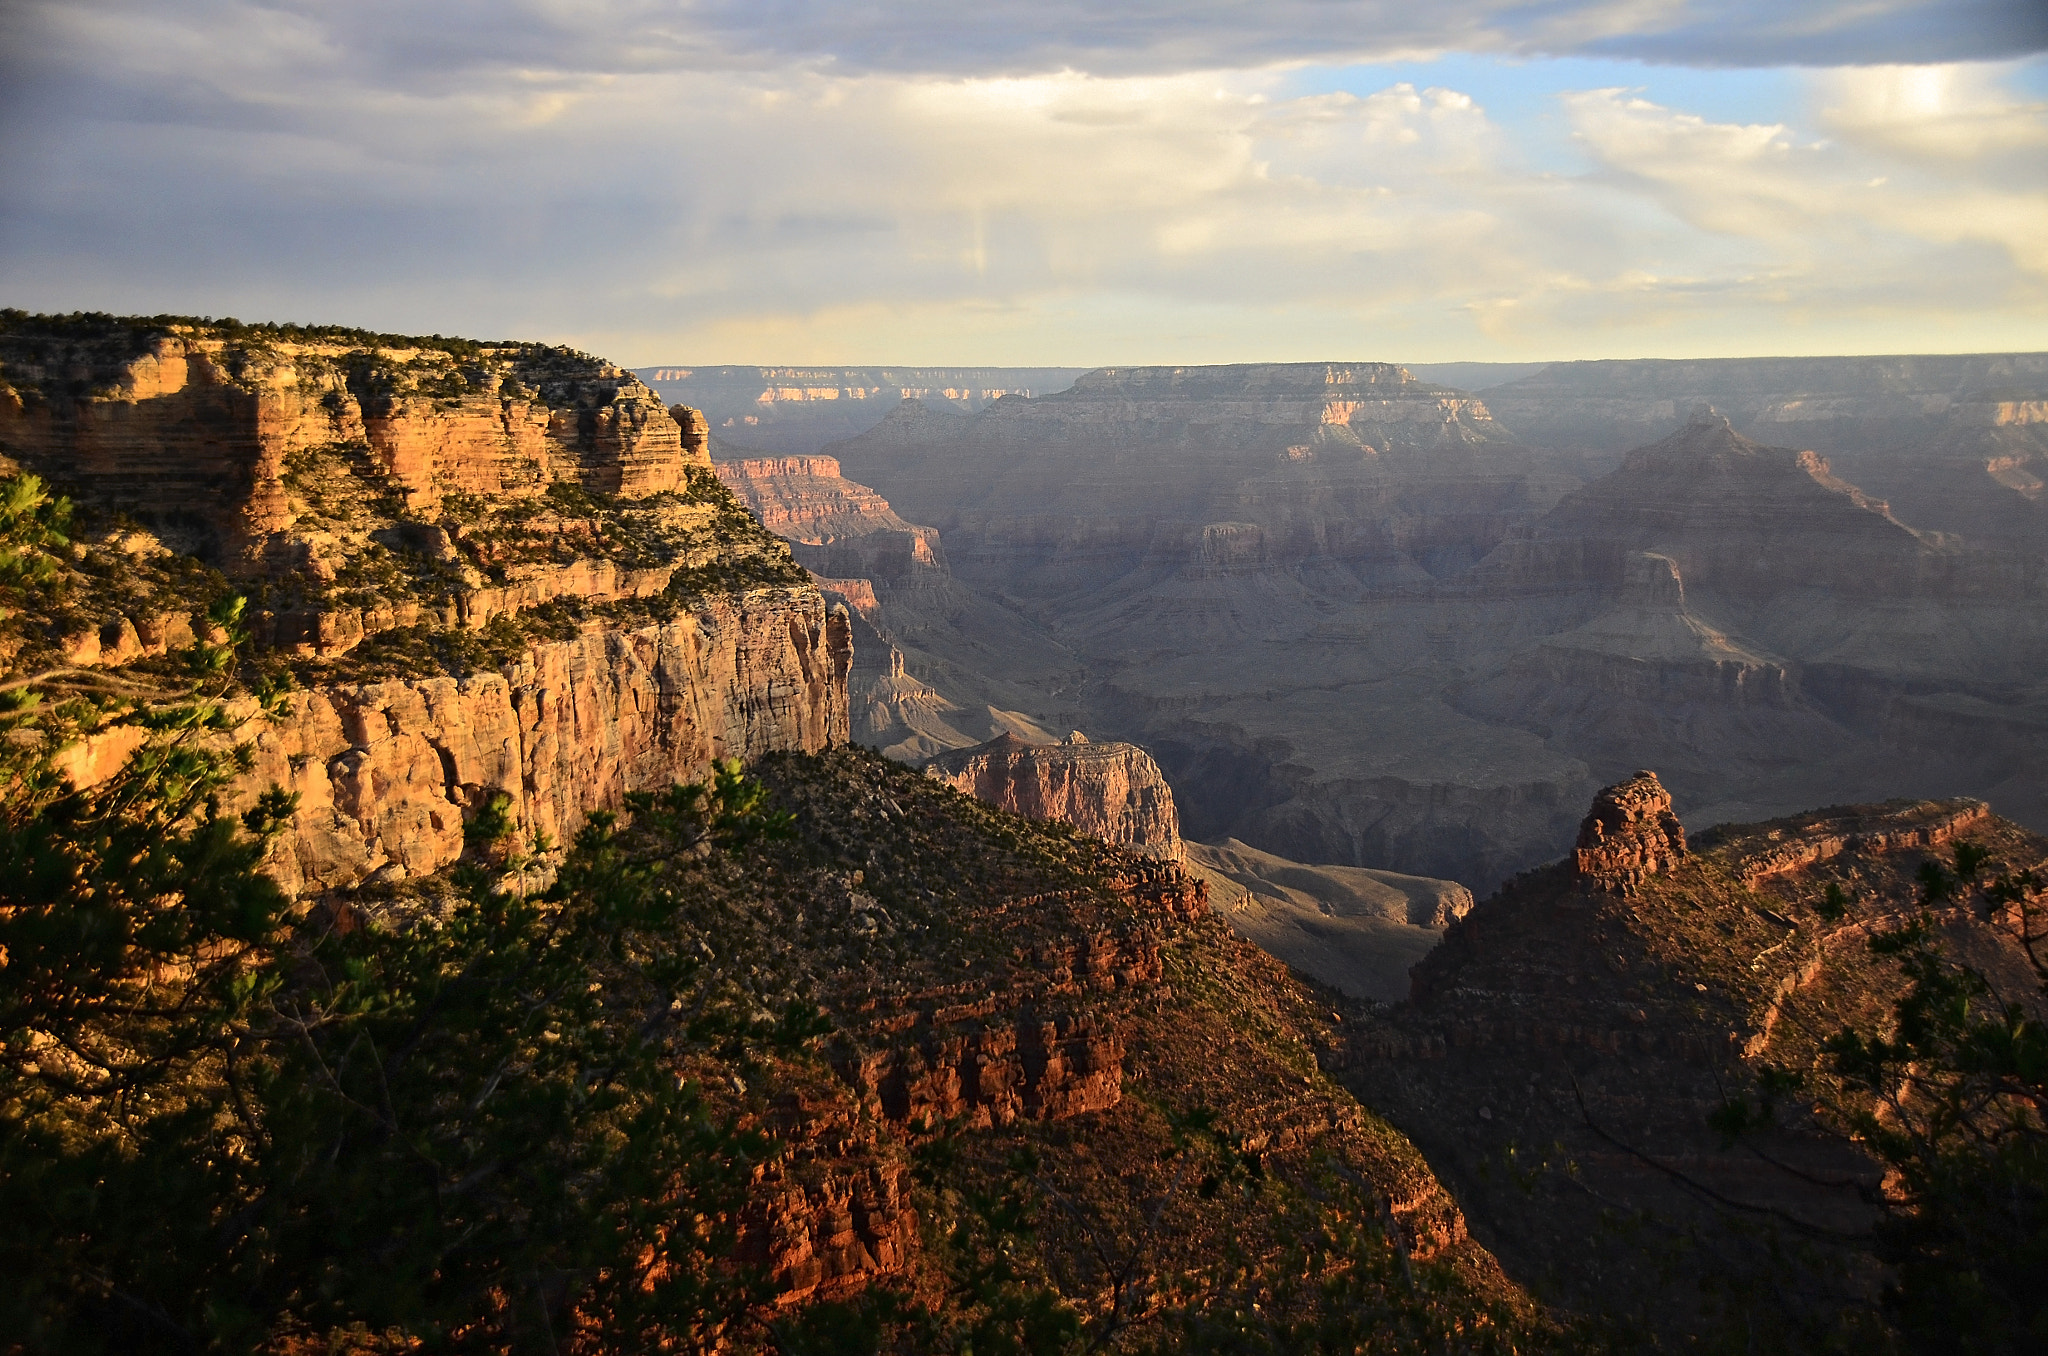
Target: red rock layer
x,y
387,772
196,430
1631,833
1113,791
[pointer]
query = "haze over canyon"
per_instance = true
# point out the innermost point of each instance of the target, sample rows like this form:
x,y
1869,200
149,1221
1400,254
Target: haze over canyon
x,y
1362,618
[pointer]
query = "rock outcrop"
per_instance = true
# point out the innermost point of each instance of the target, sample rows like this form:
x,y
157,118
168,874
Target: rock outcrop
x,y
835,527
192,430
943,666
1110,791
1584,1034
387,773
488,569
1630,834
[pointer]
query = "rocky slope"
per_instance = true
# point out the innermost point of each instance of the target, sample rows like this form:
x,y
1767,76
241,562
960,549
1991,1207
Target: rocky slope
x,y
486,570
1110,791
1568,1041
1019,1008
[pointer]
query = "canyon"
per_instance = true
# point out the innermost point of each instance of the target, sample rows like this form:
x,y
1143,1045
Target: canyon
x,y
797,410
1130,758
1362,619
394,510
450,606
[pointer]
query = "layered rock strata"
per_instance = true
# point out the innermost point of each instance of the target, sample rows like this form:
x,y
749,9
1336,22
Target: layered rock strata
x,y
944,666
836,528
1110,791
387,773
794,411
1359,640
490,570
191,430
1630,834
983,975
1199,540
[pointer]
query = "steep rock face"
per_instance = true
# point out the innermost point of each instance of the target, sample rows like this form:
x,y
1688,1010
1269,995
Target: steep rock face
x,y
387,773
1630,834
1586,1033
191,430
1359,463
836,528
943,666
487,569
1112,791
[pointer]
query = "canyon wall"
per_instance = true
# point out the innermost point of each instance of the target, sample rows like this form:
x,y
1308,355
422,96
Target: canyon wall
x,y
387,773
941,665
1955,443
1110,791
794,411
1359,619
475,570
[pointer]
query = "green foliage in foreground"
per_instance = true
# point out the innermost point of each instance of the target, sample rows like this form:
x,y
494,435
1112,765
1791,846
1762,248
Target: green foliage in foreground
x,y
1956,1105
223,1126
220,1130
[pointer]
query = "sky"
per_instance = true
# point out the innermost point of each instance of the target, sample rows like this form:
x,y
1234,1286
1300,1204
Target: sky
x,y
1044,182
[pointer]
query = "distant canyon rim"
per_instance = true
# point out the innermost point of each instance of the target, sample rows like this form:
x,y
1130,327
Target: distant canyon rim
x,y
1411,618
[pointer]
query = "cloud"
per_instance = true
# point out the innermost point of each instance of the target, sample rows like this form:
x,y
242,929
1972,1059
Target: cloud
x,y
1937,115
427,44
1941,155
662,190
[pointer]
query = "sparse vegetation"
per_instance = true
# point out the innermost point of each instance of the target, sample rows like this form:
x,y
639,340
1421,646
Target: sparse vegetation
x,y
1953,1097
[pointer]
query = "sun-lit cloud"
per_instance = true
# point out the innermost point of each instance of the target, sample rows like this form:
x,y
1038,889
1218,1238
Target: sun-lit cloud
x,y
1935,154
719,183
